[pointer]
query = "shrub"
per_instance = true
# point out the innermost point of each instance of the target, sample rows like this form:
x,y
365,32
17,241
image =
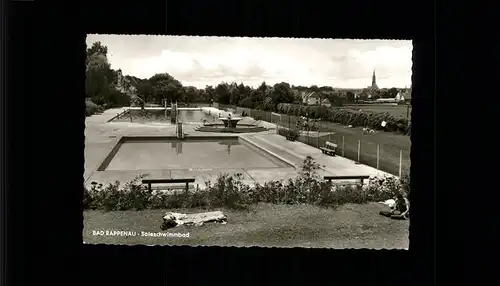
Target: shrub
x,y
382,188
90,107
290,134
230,191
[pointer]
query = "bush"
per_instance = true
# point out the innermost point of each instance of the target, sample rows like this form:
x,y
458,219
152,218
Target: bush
x,y
90,107
383,188
229,191
290,134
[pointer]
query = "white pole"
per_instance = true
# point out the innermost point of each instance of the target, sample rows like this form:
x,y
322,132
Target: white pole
x,y
359,148
400,161
378,155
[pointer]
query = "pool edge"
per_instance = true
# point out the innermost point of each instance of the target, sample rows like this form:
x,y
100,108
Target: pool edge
x,y
276,156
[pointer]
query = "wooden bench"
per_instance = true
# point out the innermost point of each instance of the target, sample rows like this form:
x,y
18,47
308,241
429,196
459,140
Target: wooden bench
x,y
334,178
329,148
168,181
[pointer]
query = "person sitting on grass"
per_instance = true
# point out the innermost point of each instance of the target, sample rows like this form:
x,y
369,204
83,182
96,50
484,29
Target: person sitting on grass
x,y
400,210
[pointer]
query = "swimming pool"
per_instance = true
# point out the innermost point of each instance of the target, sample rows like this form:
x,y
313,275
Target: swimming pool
x,y
190,154
151,115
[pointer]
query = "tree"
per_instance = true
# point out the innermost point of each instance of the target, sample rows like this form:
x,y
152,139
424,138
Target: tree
x,y
268,103
190,94
282,93
244,92
165,87
314,88
209,94
97,48
350,96
363,95
97,80
234,95
260,94
222,94
383,94
145,91
393,92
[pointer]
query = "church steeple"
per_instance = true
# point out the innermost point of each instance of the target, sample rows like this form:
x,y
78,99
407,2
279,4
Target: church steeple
x,y
374,81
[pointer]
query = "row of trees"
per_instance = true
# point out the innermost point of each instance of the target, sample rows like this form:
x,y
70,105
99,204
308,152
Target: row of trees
x,y
161,87
106,86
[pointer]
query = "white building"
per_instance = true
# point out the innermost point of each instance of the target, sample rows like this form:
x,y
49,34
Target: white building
x,y
325,102
403,95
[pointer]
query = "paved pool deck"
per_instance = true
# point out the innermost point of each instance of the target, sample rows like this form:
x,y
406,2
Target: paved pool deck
x,y
101,135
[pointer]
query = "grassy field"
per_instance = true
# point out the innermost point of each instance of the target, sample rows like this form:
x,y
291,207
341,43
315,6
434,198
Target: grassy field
x,y
390,144
394,110
349,226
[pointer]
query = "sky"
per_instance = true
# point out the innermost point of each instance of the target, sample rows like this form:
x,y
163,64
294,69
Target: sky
x,y
201,61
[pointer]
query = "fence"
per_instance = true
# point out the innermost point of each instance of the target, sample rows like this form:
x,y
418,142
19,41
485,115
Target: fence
x,y
387,158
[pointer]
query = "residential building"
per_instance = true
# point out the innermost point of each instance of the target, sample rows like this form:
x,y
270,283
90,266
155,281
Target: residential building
x,y
313,99
326,103
309,98
404,95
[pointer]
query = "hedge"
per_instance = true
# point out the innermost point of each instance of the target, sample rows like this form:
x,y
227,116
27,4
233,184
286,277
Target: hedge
x,y
229,191
347,116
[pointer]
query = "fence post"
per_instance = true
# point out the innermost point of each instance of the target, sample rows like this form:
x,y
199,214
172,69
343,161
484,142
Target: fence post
x,y
318,140
343,141
400,162
359,149
378,155
329,135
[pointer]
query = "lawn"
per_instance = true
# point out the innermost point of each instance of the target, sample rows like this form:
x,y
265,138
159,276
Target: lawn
x,y
394,110
390,144
349,226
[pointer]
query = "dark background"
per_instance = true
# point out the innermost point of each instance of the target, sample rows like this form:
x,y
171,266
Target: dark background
x,y
45,59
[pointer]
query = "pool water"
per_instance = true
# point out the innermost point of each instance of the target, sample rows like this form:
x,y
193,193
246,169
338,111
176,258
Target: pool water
x,y
194,116
186,116
173,154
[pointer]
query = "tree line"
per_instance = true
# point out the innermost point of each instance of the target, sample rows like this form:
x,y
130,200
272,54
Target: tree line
x,y
110,88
